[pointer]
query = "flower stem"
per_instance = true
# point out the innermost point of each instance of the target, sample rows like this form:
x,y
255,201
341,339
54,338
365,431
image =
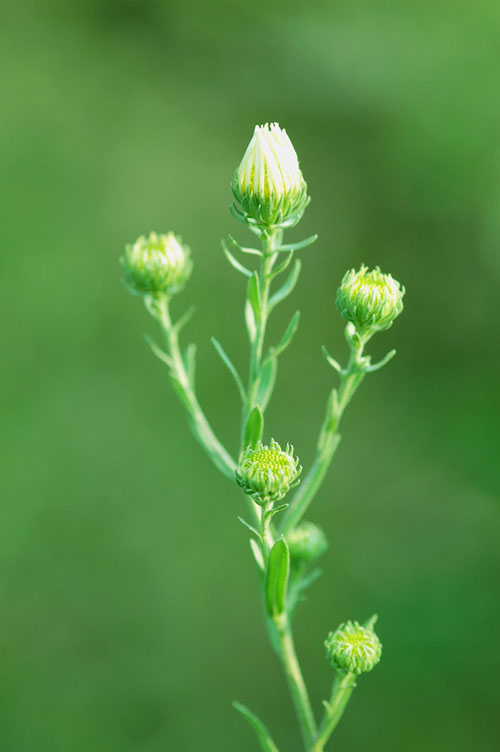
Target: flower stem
x,y
295,680
329,438
270,240
341,692
199,423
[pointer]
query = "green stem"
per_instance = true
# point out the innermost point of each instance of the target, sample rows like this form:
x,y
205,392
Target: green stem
x,y
295,680
341,693
329,438
270,240
200,425
265,531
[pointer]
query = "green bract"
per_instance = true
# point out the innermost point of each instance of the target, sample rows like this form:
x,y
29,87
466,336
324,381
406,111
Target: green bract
x,y
306,542
156,264
266,473
369,299
353,648
268,186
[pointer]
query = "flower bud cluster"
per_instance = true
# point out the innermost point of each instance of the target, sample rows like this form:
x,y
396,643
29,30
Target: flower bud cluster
x,y
268,184
353,649
156,264
267,473
306,542
369,299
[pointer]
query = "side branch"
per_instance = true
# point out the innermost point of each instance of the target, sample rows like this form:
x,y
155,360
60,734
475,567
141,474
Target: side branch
x,y
183,384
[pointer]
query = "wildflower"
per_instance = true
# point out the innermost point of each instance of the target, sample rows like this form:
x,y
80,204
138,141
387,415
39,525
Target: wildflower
x,y
267,473
268,184
156,264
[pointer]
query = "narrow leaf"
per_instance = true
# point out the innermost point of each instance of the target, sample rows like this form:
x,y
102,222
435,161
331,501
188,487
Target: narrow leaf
x,y
288,335
252,251
250,321
281,268
382,362
298,246
247,525
184,319
160,354
256,550
263,734
253,294
232,370
254,427
287,287
277,578
234,262
334,364
267,379
370,623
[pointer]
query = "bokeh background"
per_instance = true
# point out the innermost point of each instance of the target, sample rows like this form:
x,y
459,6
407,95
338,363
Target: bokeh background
x,y
130,615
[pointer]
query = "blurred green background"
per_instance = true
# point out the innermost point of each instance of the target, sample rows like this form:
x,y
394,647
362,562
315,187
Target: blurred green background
x,y
130,615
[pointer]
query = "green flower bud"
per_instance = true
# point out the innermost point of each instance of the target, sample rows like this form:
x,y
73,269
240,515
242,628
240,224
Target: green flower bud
x,y
266,473
306,542
268,184
369,299
157,264
353,649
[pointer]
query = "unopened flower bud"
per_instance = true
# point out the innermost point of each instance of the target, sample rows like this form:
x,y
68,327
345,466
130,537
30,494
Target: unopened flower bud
x,y
353,649
306,542
266,473
369,299
268,184
156,264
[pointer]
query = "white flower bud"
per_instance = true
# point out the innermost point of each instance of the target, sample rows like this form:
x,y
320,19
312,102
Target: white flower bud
x,y
156,264
370,300
268,184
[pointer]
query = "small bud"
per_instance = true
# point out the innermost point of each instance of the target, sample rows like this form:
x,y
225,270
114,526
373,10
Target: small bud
x,y
268,184
353,649
306,542
157,264
266,473
369,299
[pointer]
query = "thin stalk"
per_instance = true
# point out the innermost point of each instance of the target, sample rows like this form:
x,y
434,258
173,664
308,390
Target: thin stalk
x,y
329,439
202,429
269,240
266,536
295,680
341,692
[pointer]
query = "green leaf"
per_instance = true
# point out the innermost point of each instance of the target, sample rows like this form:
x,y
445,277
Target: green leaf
x,y
370,623
254,427
184,319
287,287
382,362
257,553
281,268
251,251
249,527
334,364
253,295
250,321
160,354
277,578
261,731
267,379
232,370
288,335
234,263
297,246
